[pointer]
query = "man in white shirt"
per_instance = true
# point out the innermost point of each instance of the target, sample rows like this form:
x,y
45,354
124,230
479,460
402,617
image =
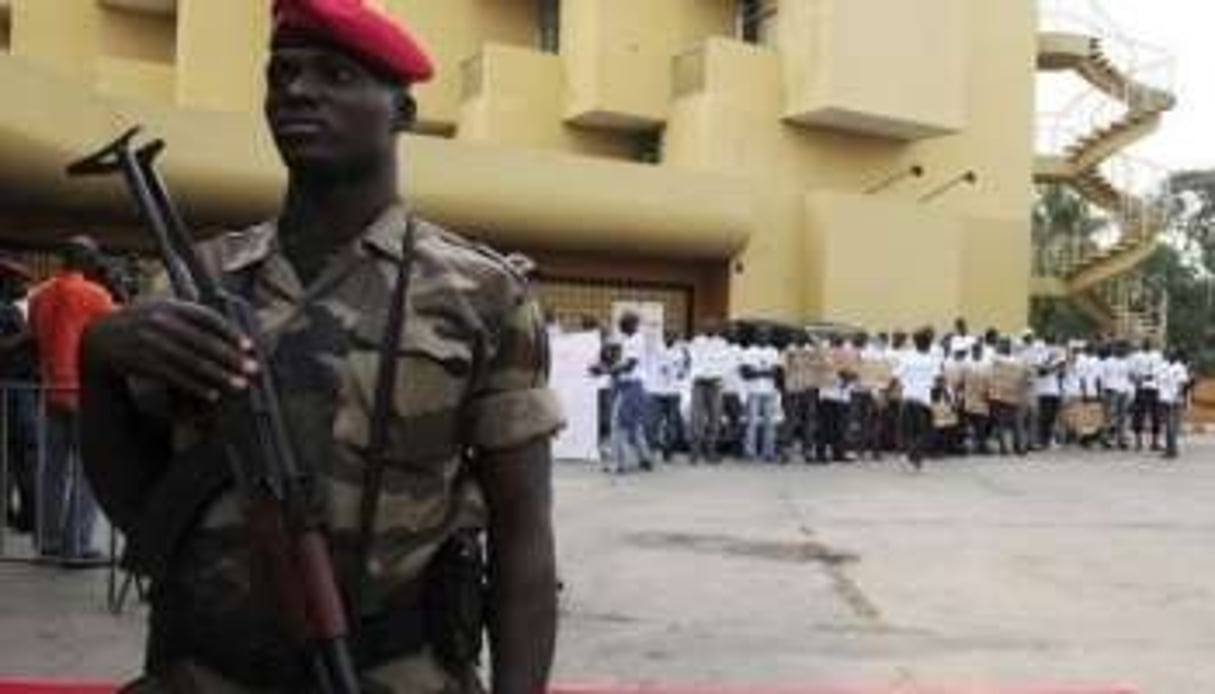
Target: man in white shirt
x,y
919,373
759,366
834,402
1117,391
1173,382
869,396
976,398
1144,366
1049,362
800,402
629,442
666,387
1010,388
734,404
708,367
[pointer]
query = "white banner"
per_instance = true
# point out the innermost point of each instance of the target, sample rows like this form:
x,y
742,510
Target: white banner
x,y
573,354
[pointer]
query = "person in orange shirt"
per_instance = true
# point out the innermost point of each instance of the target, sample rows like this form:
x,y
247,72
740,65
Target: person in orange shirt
x,y
60,310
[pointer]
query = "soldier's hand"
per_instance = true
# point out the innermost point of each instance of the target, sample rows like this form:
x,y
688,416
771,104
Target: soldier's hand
x,y
183,345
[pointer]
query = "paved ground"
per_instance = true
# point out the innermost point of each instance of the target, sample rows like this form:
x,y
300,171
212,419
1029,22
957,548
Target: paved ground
x,y
1064,569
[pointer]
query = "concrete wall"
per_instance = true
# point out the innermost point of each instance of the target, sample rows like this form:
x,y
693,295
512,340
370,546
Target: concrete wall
x,y
844,94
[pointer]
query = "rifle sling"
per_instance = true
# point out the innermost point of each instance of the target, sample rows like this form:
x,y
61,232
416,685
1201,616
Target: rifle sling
x,y
381,415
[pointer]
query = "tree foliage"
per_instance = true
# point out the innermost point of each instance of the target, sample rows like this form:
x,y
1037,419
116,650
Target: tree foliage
x,y
1185,265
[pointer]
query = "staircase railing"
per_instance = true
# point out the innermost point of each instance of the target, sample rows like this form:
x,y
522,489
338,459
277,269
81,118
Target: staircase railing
x,y
1130,85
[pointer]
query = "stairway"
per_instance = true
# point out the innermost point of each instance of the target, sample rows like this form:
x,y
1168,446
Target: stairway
x,y
1079,166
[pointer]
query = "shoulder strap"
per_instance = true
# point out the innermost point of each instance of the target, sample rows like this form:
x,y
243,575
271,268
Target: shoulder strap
x,y
381,413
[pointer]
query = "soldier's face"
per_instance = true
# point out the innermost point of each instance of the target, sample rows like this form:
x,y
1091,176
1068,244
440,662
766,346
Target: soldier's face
x,y
328,113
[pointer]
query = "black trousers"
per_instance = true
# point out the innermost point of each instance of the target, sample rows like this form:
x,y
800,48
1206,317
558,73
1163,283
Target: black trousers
x,y
668,430
867,415
1005,424
833,423
918,433
1146,411
979,431
1048,417
801,421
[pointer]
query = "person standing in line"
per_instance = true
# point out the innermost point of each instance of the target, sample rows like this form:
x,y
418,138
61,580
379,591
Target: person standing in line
x,y
668,377
976,404
707,353
759,367
1145,364
1032,353
919,373
834,404
630,444
948,401
801,396
893,426
733,391
1117,393
1049,363
18,370
1088,373
60,311
1010,388
1174,383
870,399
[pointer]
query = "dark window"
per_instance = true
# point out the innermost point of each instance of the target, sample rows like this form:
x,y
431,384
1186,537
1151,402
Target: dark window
x,y
648,146
550,26
756,20
6,29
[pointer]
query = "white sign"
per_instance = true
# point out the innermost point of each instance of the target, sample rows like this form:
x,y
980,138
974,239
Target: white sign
x,y
572,355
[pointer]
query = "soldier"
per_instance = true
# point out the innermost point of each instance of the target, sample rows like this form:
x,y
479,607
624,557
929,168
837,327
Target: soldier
x,y
470,417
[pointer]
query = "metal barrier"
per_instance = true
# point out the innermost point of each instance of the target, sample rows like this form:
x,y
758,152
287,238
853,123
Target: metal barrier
x,y
119,585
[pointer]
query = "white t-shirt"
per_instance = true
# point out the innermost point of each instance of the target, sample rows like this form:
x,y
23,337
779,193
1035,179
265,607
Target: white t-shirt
x,y
633,348
669,372
708,357
1171,378
1144,367
1072,381
759,359
1088,373
1116,375
731,360
918,373
1048,386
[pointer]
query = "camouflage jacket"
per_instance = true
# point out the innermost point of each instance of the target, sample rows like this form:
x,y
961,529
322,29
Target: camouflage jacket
x,y
472,380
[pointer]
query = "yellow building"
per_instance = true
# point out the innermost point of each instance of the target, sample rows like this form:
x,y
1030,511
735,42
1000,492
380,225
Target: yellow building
x,y
728,157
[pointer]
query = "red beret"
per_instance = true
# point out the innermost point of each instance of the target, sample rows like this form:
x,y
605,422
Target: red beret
x,y
365,32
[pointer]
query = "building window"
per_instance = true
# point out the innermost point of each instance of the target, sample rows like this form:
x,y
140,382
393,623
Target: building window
x,y
757,21
550,26
6,28
574,302
647,146
140,30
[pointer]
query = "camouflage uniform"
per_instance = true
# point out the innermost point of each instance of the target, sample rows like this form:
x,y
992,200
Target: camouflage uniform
x,y
472,379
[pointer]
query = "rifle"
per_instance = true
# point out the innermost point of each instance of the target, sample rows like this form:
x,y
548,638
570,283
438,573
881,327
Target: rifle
x,y
286,533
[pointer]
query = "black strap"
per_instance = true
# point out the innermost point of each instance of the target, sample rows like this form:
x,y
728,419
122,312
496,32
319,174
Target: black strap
x,y
381,413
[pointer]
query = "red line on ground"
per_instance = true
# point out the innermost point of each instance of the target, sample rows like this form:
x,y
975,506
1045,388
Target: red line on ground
x,y
34,686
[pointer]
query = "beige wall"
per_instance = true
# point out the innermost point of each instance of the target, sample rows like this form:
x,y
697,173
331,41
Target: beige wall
x,y
895,69
221,53
790,134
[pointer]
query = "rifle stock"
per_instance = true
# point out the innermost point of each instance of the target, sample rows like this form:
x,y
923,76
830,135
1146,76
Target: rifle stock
x,y
287,535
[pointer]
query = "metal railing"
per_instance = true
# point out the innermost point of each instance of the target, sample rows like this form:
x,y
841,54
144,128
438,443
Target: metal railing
x,y
29,430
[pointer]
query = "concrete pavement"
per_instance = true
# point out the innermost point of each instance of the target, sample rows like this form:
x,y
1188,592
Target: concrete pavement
x,y
1069,568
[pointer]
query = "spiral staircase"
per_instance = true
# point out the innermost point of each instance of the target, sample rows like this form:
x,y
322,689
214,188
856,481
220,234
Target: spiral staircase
x,y
1104,281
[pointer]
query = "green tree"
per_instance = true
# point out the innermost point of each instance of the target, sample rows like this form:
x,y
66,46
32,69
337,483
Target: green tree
x,y
1184,266
1063,227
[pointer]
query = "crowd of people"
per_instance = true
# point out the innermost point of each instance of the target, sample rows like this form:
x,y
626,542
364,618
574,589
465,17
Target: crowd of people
x,y
838,396
41,326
